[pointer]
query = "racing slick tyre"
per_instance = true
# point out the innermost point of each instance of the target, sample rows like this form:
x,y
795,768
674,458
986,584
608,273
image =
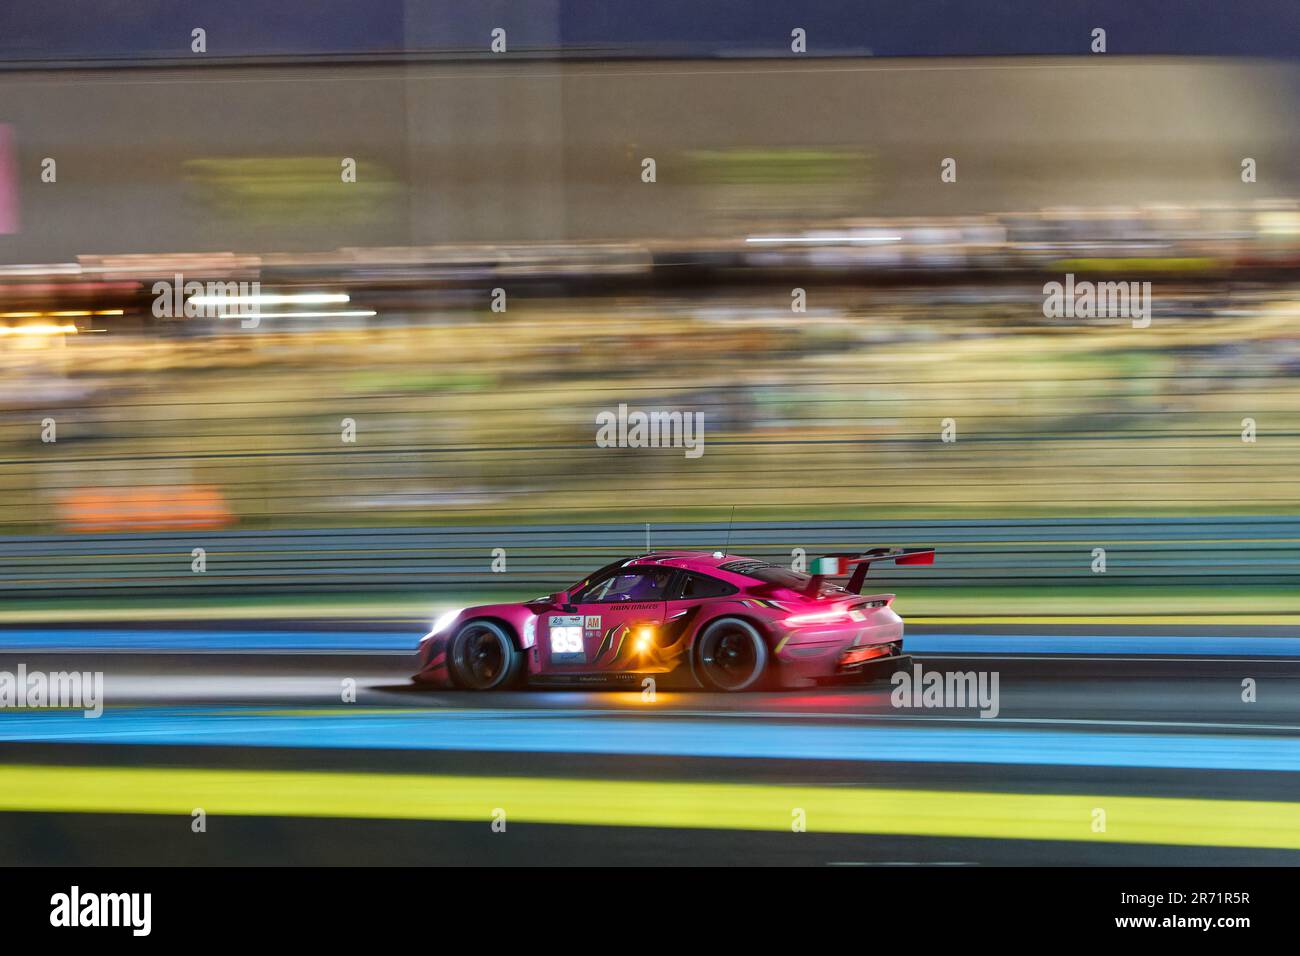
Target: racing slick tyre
x,y
730,655
482,656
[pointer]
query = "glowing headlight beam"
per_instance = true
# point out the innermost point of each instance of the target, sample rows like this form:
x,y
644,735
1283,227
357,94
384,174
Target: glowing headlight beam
x,y
444,620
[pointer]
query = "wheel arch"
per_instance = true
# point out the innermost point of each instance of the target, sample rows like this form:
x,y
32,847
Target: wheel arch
x,y
512,632
758,624
724,612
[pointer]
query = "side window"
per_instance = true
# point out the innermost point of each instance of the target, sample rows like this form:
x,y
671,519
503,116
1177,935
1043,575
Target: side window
x,y
632,585
697,586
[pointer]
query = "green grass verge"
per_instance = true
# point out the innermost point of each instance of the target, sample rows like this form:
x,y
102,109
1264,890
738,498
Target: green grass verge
x,y
1100,600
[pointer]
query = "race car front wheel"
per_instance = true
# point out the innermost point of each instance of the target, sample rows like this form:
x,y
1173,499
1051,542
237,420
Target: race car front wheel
x,y
482,656
730,655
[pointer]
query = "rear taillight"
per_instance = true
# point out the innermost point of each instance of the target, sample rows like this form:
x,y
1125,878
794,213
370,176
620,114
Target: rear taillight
x,y
819,617
841,614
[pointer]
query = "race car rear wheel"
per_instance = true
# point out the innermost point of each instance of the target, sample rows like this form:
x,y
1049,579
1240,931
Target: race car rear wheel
x,y
482,656
730,655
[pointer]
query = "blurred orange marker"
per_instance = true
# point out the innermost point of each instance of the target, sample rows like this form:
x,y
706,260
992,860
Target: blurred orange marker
x,y
151,508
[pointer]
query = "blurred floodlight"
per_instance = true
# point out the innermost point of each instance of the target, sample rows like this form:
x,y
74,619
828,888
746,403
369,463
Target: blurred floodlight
x,y
344,314
832,239
293,298
42,328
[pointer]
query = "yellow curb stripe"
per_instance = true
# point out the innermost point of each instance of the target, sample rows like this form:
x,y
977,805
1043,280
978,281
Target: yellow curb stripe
x,y
723,806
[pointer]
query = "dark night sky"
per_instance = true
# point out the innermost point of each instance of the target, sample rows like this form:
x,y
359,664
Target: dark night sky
x,y
131,29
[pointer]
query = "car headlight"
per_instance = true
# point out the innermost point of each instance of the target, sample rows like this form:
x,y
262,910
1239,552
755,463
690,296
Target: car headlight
x,y
444,620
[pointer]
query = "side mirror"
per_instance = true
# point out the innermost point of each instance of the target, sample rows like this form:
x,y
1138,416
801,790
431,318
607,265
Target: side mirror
x,y
559,597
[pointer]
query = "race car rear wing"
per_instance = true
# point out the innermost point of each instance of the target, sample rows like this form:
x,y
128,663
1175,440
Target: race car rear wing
x,y
837,565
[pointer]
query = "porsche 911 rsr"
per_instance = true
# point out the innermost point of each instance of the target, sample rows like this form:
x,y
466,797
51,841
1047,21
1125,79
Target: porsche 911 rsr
x,y
729,623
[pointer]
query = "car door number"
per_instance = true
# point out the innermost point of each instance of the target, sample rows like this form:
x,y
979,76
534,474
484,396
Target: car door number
x,y
566,640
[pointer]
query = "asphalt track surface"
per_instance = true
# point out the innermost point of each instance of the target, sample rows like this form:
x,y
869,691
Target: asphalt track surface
x,y
1148,734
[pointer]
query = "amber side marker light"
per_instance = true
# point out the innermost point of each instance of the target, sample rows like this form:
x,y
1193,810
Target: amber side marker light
x,y
859,654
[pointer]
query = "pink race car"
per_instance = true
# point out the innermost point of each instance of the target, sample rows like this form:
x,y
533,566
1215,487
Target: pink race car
x,y
733,623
